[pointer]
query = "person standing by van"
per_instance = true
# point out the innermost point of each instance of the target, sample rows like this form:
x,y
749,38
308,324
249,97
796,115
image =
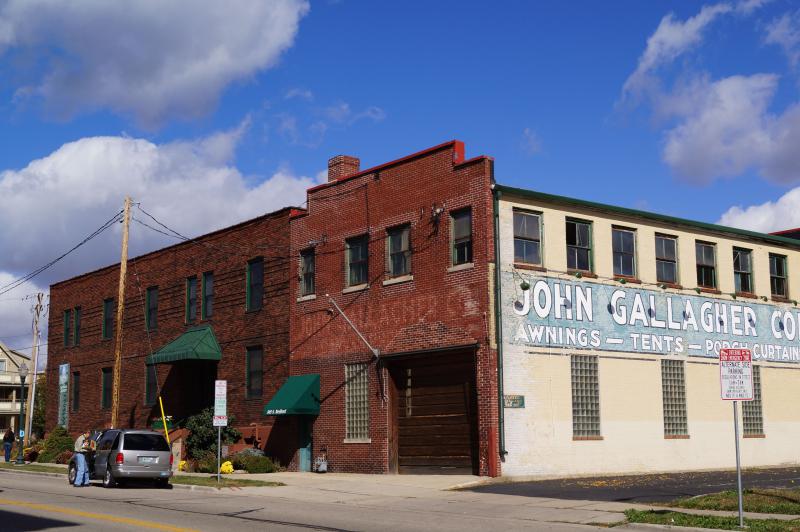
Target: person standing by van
x,y
82,446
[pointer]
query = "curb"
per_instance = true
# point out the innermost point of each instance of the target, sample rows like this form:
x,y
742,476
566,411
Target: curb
x,y
62,476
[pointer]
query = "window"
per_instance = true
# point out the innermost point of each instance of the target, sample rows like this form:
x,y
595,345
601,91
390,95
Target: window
x,y
752,416
151,302
255,370
76,333
146,442
108,318
461,236
623,243
777,275
579,245
67,326
191,299
743,270
357,260
398,253
585,397
76,391
527,238
2,365
105,387
307,271
255,284
666,259
673,392
207,303
150,385
706,265
356,401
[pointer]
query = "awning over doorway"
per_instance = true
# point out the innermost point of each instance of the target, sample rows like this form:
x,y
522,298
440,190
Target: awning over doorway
x,y
195,344
298,395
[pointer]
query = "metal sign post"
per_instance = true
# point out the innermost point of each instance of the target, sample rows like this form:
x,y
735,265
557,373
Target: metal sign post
x,y
220,417
736,384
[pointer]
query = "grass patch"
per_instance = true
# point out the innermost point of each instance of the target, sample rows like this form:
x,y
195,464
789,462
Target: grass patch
x,y
37,468
707,521
225,482
769,501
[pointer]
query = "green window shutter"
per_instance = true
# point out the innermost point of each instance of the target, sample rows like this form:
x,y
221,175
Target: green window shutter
x,y
246,373
247,287
67,327
103,331
147,309
76,333
203,297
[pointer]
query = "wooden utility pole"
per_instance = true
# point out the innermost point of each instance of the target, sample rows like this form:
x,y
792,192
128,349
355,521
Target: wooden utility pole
x,y
123,270
37,310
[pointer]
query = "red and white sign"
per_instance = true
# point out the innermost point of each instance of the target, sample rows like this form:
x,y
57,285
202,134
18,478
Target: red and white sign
x,y
736,374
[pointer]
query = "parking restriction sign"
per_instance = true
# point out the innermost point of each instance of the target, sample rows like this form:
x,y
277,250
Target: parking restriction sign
x,y
736,374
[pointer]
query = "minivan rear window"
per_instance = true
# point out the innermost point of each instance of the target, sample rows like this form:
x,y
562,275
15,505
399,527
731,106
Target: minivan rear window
x,y
145,442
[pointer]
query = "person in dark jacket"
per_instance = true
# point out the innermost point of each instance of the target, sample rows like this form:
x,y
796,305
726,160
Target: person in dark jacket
x,y
8,441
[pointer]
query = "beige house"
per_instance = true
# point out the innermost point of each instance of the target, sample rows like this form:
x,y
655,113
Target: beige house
x,y
611,323
10,361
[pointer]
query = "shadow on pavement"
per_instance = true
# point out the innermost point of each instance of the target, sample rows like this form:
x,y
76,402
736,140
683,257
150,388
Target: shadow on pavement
x,y
19,522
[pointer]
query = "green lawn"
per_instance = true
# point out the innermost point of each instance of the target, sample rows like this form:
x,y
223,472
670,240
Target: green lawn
x,y
38,468
771,501
226,482
666,517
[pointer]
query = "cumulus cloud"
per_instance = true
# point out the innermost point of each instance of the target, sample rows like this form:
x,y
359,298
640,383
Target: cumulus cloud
x,y
785,32
766,217
152,60
16,313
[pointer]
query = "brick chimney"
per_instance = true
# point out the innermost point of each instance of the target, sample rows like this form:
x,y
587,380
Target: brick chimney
x,y
342,166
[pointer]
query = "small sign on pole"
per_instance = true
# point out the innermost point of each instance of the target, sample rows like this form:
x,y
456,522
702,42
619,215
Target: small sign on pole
x,y
220,416
736,384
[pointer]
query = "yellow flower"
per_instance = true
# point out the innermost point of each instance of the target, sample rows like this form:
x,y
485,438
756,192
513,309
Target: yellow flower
x,y
182,465
226,468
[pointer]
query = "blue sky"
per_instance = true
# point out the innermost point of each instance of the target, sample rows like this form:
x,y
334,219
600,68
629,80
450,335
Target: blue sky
x,y
684,108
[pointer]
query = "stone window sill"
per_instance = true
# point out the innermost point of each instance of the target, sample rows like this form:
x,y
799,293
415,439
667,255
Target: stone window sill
x,y
356,288
398,280
309,297
676,436
706,290
748,295
584,273
459,267
532,267
587,438
754,436
627,279
357,440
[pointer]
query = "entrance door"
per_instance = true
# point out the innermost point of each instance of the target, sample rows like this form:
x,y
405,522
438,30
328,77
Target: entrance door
x,y
304,445
436,415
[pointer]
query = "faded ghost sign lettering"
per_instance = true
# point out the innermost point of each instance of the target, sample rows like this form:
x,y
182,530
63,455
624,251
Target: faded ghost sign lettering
x,y
558,313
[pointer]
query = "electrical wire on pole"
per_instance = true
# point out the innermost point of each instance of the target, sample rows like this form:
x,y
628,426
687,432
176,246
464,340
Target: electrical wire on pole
x,y
37,310
123,270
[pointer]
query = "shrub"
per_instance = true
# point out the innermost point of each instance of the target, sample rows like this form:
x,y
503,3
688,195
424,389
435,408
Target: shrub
x,y
254,463
63,457
203,437
207,463
226,468
56,443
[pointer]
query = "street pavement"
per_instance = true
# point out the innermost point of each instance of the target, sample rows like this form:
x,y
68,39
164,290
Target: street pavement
x,y
647,488
310,502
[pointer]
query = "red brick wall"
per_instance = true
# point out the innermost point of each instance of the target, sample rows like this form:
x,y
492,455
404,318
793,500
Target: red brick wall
x,y
226,253
437,309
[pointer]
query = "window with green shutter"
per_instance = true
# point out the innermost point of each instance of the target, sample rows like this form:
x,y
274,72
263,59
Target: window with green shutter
x,y
191,299
106,377
67,326
108,318
207,296
255,284
151,308
254,367
76,333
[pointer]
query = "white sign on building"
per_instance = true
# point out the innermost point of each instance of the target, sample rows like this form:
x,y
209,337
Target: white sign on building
x,y
736,374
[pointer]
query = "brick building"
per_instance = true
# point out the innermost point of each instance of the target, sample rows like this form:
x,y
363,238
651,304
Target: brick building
x,y
212,308
405,250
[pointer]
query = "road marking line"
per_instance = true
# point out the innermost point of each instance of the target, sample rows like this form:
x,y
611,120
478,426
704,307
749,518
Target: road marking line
x,y
91,515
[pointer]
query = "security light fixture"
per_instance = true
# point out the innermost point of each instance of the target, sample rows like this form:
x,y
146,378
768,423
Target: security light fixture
x,y
525,285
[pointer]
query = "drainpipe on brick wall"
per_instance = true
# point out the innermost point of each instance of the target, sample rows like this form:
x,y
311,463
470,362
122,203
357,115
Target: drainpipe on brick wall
x,y
498,331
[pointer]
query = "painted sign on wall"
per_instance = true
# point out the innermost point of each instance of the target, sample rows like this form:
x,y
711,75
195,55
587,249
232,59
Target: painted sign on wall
x,y
63,389
586,315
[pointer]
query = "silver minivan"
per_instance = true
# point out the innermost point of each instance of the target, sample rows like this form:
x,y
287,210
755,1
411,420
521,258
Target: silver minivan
x,y
123,454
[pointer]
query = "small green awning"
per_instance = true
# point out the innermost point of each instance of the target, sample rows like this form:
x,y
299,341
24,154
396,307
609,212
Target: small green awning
x,y
298,395
195,344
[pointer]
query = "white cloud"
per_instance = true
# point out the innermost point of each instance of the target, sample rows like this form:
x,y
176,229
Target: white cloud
x,y
303,94
531,143
16,314
766,217
785,32
153,60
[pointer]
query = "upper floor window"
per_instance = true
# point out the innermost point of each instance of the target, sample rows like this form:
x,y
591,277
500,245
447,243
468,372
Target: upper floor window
x,y
623,243
254,364
743,270
207,298
527,238
108,318
357,260
191,299
106,384
67,326
461,236
666,259
777,275
579,245
255,284
150,385
706,265
151,308
76,333
307,272
398,253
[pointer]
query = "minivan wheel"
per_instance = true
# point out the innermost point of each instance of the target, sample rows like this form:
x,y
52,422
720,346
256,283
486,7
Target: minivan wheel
x,y
162,483
108,479
72,474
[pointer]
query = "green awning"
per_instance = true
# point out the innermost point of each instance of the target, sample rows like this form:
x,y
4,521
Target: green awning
x,y
195,344
298,395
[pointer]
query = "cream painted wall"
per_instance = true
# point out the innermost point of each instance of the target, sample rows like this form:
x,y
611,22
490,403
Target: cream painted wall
x,y
539,436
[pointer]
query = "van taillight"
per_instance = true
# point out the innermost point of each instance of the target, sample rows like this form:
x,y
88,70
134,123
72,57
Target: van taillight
x,y
120,459
171,460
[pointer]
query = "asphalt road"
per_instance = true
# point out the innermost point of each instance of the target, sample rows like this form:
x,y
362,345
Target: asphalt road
x,y
647,488
29,502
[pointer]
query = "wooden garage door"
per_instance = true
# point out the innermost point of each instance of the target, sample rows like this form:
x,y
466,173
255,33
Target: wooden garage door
x,y
436,416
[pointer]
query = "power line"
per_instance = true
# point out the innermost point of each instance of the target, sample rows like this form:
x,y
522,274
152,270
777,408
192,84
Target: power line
x,y
14,284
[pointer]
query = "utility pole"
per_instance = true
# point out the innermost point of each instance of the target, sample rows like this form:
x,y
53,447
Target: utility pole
x,y
123,270
37,310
